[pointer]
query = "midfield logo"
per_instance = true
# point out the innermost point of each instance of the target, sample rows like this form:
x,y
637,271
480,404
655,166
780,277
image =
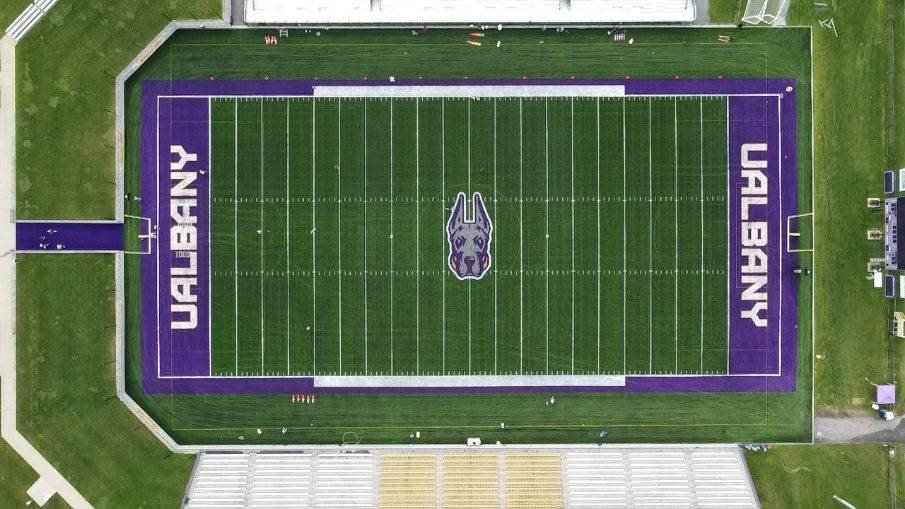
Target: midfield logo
x,y
469,239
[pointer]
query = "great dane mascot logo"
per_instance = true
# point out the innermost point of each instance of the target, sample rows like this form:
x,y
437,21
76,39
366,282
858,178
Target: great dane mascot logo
x,y
469,239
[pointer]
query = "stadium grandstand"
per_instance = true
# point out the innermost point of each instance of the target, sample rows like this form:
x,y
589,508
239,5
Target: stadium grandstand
x,y
452,477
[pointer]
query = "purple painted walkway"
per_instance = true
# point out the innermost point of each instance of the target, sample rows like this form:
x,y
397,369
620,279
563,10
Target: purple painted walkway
x,y
67,237
762,122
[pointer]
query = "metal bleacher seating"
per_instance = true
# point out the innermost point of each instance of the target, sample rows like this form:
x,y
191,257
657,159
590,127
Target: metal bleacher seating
x,y
486,477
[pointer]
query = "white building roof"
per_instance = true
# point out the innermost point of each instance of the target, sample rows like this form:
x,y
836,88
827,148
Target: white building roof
x,y
415,12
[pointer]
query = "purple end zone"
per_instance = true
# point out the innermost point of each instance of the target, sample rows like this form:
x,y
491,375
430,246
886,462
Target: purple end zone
x,y
762,193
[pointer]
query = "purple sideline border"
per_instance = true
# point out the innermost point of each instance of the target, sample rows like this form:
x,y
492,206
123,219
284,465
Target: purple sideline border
x,y
751,120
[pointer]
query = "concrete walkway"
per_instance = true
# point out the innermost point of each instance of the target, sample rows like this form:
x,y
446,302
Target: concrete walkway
x,y
858,430
50,480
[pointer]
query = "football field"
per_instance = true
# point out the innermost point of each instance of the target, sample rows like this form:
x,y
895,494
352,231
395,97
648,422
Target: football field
x,y
343,236
329,251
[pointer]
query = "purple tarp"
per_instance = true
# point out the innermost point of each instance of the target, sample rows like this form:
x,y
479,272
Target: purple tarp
x,y
49,236
763,191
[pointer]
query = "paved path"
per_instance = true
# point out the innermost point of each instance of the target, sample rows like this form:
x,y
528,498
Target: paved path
x,y
858,430
49,477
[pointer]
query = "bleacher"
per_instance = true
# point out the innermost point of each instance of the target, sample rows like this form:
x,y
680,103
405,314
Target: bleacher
x,y
487,477
273,480
468,11
408,481
29,17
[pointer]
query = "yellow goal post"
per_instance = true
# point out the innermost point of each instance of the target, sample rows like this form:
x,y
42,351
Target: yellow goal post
x,y
146,234
794,235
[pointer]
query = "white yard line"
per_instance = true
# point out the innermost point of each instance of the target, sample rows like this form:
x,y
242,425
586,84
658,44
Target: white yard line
x,y
675,125
236,226
546,240
598,235
701,154
624,237
521,246
288,247
443,258
392,268
728,255
313,240
261,226
210,328
650,238
339,224
468,157
495,200
572,162
417,236
365,206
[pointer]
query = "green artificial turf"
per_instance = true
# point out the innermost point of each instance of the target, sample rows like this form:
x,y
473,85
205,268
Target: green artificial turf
x,y
808,476
65,69
67,404
387,418
384,301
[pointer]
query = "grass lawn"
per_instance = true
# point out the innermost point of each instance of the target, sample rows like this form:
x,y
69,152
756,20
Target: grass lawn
x,y
67,401
64,84
15,478
726,12
856,473
9,10
849,154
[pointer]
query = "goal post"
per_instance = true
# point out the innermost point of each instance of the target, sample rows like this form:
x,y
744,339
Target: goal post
x,y
799,228
139,234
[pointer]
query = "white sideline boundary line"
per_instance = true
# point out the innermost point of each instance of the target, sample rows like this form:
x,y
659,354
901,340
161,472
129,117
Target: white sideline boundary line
x,y
471,381
467,91
700,97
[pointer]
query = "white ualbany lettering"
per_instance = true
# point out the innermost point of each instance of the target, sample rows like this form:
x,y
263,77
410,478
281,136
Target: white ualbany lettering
x,y
183,241
754,236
